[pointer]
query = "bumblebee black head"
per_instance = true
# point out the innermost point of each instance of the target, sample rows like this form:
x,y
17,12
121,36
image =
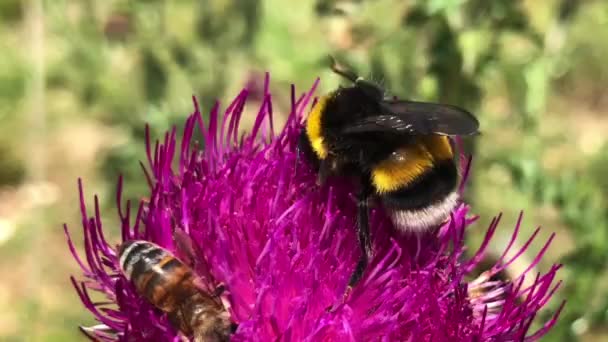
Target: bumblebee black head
x,y
369,88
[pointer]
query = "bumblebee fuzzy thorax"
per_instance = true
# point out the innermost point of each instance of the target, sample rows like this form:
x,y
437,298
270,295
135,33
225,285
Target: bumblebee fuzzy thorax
x,y
333,113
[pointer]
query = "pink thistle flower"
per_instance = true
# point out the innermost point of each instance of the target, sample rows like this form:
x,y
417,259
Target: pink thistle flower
x,y
284,248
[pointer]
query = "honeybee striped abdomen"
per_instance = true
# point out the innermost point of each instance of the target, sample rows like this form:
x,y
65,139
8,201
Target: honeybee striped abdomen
x,y
156,274
169,284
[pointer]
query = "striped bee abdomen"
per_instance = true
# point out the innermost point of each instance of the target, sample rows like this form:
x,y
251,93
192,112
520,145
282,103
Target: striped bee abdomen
x,y
417,183
170,285
157,275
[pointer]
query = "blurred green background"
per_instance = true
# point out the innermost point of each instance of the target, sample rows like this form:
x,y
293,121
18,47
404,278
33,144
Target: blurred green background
x,y
78,80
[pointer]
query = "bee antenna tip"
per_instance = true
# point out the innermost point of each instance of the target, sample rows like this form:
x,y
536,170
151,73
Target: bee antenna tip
x,y
342,70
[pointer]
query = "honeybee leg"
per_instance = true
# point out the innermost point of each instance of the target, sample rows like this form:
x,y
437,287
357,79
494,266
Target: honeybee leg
x,y
219,290
362,234
176,318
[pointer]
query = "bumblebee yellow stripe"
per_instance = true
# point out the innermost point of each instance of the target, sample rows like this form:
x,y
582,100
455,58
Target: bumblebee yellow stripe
x,y
402,168
438,146
313,128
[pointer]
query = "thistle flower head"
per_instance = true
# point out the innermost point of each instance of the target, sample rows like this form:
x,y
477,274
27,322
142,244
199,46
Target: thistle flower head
x,y
284,248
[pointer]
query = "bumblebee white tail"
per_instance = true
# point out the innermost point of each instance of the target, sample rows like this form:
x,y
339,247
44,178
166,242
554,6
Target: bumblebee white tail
x,y
420,220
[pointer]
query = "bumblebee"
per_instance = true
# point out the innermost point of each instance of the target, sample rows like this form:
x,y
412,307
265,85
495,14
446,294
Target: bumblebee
x,y
171,286
399,152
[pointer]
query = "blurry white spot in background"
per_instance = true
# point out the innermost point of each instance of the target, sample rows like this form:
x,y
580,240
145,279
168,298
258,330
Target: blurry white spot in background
x,y
7,229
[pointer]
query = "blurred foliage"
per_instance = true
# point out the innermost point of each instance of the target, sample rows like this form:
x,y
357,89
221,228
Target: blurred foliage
x,y
12,171
534,73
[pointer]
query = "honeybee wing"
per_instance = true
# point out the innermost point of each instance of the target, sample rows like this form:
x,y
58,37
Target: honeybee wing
x,y
187,247
410,117
184,244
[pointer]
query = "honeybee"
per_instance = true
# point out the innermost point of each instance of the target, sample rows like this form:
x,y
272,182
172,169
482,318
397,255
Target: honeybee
x,y
399,152
170,285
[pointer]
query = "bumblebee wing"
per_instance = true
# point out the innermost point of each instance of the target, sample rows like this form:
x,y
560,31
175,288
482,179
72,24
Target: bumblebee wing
x,y
409,117
384,123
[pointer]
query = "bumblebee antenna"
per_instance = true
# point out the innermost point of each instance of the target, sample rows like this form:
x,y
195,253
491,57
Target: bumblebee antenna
x,y
369,88
343,70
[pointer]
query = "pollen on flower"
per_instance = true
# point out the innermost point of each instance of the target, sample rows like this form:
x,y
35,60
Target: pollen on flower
x,y
284,248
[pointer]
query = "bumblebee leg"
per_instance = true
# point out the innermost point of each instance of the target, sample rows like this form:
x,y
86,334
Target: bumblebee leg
x,y
362,234
299,150
305,151
324,170
364,243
